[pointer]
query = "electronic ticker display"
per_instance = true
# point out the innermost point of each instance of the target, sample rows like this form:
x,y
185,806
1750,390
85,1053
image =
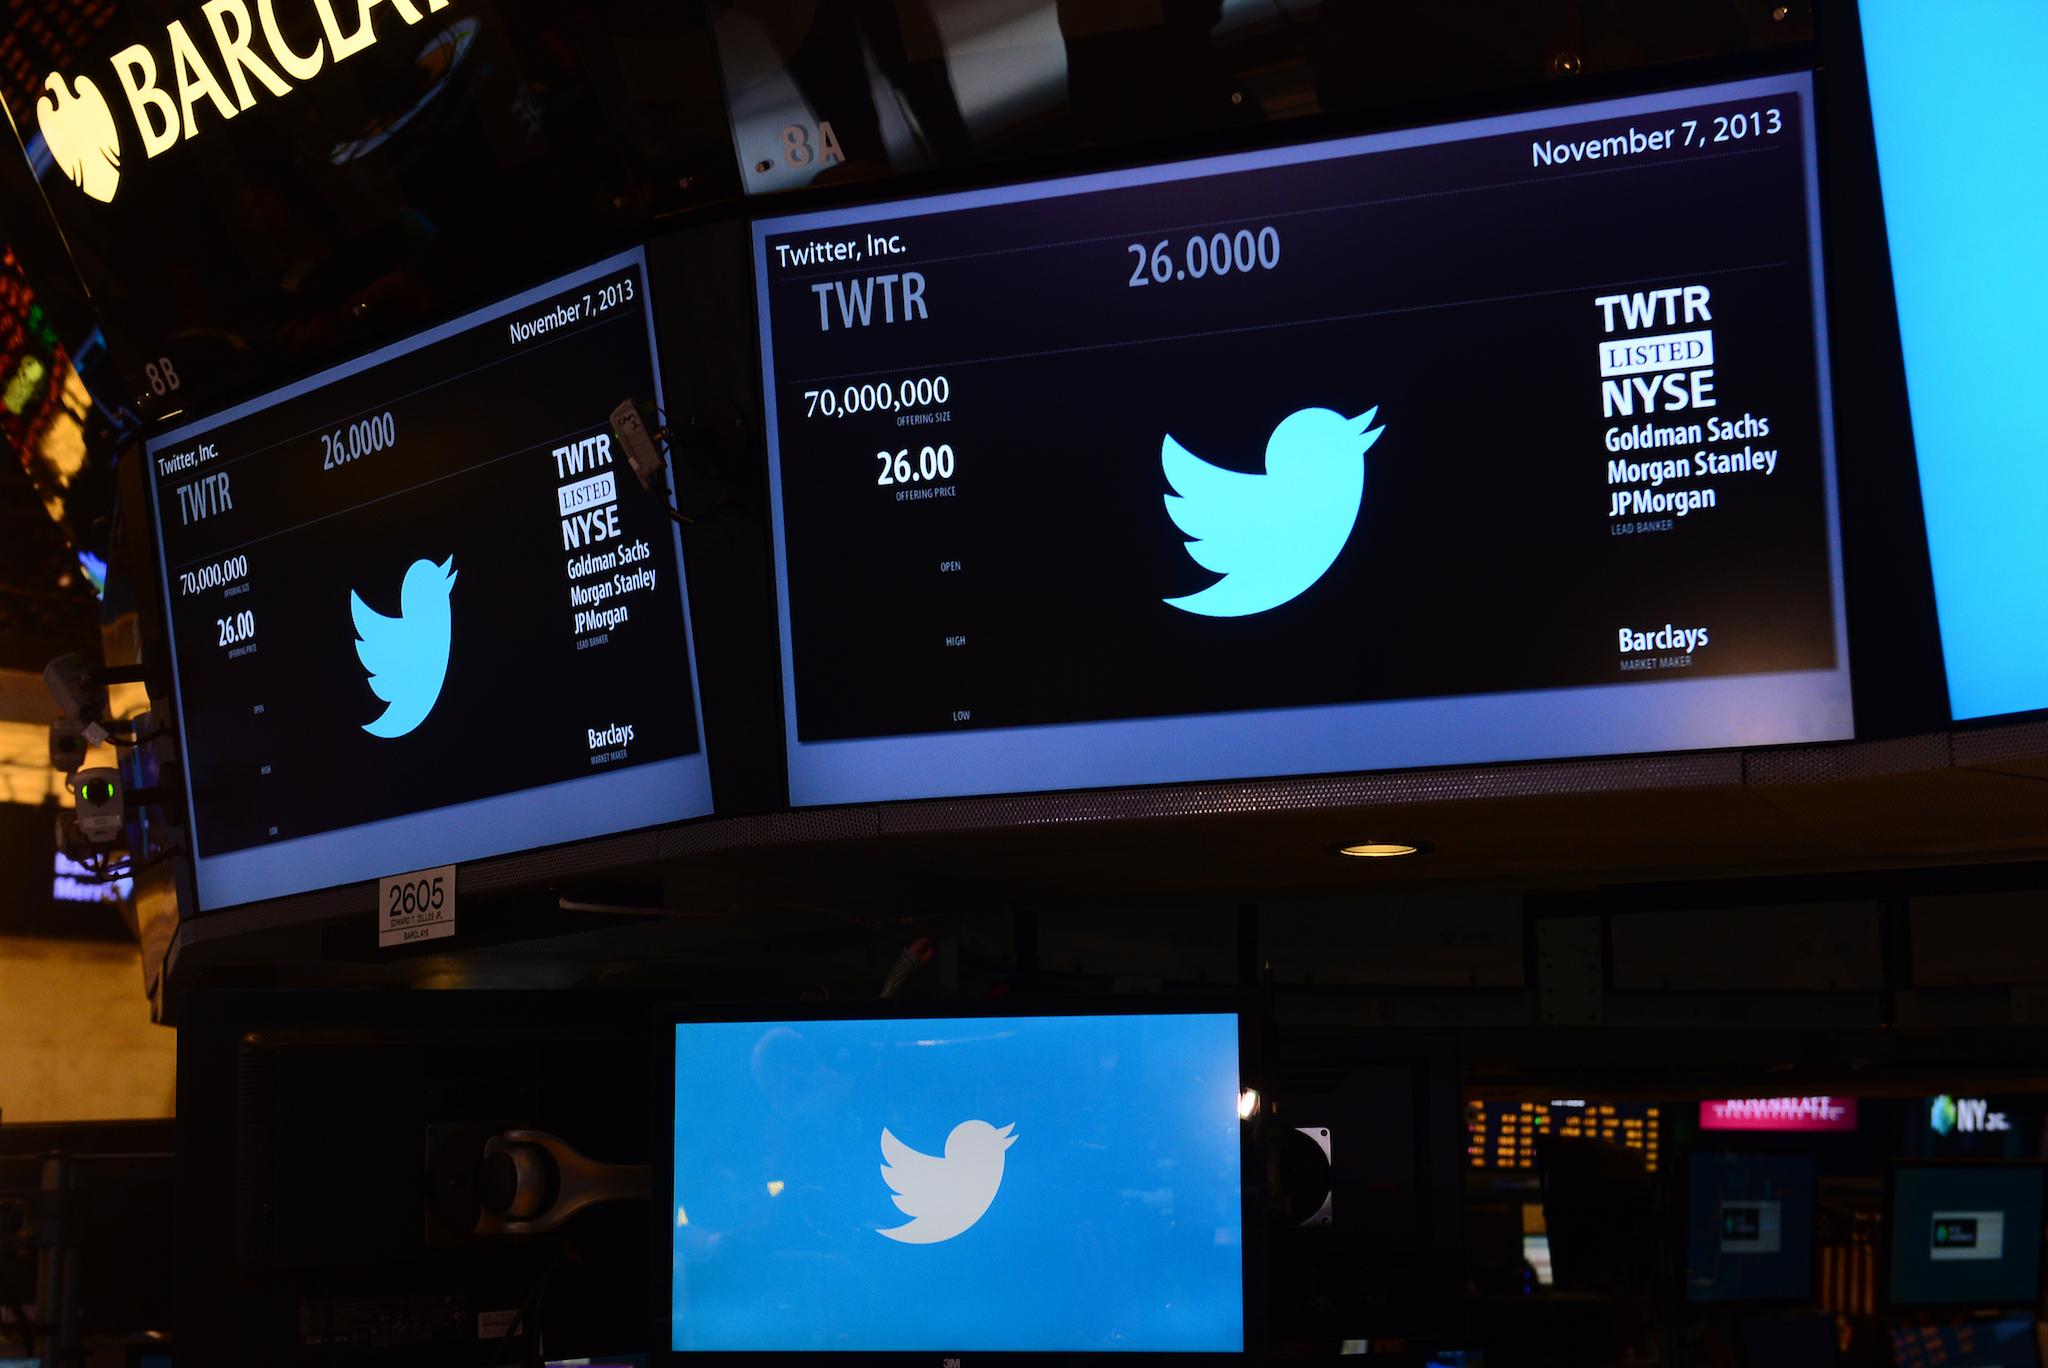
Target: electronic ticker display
x,y
1494,440
421,609
1504,1135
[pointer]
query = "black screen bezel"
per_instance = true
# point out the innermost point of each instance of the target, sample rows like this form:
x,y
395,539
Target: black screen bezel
x,y
1897,682
1811,1215
1888,1294
153,573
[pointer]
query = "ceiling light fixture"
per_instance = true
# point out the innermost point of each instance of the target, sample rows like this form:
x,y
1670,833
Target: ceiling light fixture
x,y
1380,850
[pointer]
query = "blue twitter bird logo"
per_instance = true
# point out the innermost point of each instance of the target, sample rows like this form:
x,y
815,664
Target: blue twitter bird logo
x,y
407,655
1270,536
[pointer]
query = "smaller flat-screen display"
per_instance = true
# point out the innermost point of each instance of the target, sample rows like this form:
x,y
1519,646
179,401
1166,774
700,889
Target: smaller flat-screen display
x,y
1749,1228
421,611
1966,1235
1048,1184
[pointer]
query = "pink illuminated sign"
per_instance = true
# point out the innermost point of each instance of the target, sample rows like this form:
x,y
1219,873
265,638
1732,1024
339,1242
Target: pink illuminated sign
x,y
1779,1114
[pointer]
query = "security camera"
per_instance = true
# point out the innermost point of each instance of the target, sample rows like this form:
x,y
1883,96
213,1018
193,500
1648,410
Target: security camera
x,y
80,692
67,745
99,811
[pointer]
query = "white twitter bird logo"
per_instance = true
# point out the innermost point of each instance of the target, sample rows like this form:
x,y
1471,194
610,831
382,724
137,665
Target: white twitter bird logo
x,y
943,1197
1270,536
407,656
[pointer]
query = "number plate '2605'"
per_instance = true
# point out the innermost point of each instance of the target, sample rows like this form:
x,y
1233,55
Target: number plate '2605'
x,y
415,907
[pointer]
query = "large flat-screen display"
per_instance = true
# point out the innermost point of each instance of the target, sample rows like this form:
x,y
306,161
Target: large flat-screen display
x,y
420,609
1966,1235
1492,440
1749,1228
1055,1184
1955,98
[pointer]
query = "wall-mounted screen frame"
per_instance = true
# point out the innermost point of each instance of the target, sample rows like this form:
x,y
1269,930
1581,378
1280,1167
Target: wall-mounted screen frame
x,y
1965,1234
1079,1102
884,693
420,611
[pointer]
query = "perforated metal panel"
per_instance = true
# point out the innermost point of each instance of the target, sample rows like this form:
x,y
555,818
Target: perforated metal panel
x,y
1856,760
769,829
1990,745
1331,793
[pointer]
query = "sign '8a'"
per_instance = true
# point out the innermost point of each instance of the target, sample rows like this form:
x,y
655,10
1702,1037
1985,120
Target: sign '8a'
x,y
249,50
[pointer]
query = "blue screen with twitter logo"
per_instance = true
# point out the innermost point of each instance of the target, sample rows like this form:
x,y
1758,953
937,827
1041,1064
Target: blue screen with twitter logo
x,y
1956,101
996,1183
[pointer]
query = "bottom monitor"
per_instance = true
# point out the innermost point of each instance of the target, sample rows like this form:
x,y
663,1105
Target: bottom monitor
x,y
1967,1234
1749,1228
1049,1184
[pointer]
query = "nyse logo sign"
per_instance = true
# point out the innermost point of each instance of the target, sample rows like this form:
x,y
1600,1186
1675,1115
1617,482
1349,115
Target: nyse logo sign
x,y
248,49
1965,1116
